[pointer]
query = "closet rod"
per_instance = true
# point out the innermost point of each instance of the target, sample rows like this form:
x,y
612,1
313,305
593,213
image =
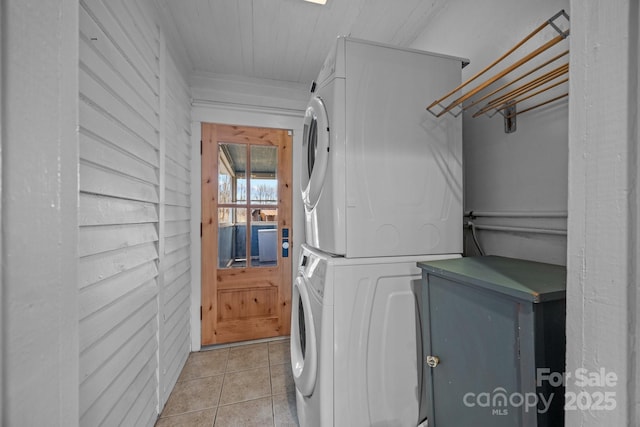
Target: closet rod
x,y
510,229
516,214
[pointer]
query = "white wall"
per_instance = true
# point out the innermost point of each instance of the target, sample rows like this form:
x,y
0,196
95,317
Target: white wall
x,y
175,226
603,257
248,102
119,222
519,172
236,92
134,235
95,214
39,207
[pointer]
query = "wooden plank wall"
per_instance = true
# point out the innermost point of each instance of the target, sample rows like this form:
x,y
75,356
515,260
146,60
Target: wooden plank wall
x,y
134,269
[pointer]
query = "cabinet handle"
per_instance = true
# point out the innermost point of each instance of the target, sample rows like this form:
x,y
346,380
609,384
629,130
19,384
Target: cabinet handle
x,y
433,361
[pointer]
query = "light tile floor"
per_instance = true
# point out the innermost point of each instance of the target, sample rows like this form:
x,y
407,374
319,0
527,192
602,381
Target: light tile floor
x,y
246,385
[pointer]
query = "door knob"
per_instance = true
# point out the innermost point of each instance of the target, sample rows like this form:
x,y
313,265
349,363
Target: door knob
x,y
433,361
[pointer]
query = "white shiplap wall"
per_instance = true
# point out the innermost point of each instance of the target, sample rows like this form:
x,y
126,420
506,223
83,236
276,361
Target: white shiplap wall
x,y
176,246
134,198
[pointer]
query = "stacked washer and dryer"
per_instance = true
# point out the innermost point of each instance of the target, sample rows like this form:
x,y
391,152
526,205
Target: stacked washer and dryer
x,y
382,189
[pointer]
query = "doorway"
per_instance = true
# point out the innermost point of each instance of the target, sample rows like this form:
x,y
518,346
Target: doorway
x,y
246,232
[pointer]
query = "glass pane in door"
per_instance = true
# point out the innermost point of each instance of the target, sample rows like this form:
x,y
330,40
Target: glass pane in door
x,y
232,173
247,205
232,237
264,179
264,237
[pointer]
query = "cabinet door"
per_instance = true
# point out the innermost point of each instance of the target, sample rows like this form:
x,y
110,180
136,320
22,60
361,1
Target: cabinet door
x,y
474,334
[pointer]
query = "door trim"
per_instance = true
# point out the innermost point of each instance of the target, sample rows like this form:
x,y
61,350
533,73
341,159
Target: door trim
x,y
256,299
249,116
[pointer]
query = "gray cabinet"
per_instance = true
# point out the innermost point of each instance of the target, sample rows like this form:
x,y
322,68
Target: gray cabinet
x,y
493,333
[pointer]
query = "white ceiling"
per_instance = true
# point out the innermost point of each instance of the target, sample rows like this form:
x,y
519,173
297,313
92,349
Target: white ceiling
x,y
286,40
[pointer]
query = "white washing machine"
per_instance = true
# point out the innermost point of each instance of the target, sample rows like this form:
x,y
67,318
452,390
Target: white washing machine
x,y
382,176
354,340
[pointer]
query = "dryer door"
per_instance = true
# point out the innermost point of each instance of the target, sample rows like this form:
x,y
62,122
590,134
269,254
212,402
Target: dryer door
x,y
304,355
315,151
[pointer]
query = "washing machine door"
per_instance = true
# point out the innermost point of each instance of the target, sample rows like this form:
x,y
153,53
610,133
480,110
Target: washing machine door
x,y
304,354
315,151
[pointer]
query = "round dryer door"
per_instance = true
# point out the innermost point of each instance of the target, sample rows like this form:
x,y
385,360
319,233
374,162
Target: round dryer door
x,y
304,356
315,151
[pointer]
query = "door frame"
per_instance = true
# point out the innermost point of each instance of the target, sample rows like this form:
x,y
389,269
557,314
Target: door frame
x,y
251,301
257,117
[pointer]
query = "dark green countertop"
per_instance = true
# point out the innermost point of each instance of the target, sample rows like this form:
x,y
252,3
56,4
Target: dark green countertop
x,y
528,280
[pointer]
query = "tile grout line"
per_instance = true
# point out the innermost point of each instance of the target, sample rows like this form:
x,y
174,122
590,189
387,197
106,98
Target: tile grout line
x,y
273,411
179,414
224,376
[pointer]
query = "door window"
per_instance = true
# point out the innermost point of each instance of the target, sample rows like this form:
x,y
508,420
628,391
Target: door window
x,y
247,205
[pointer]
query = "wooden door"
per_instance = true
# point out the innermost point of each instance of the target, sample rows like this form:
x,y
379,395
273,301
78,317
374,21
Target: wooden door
x,y
246,230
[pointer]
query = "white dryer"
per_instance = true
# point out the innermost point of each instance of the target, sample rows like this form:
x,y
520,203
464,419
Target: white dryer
x,y
381,176
354,340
